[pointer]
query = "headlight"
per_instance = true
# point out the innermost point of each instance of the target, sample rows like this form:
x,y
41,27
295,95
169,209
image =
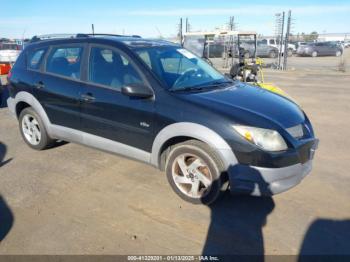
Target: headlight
x,y
267,139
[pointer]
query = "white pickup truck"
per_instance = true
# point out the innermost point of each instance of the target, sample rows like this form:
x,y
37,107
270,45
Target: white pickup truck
x,y
8,55
276,43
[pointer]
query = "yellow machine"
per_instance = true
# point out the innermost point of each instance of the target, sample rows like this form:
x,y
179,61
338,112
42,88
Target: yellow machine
x,y
251,71
261,81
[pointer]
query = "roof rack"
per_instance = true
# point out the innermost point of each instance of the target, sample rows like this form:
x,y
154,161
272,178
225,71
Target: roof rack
x,y
51,36
89,35
62,36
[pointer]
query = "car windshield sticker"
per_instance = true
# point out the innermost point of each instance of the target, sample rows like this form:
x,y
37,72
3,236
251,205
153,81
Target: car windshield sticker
x,y
186,53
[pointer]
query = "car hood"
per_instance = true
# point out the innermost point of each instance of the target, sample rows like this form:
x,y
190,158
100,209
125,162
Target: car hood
x,y
247,104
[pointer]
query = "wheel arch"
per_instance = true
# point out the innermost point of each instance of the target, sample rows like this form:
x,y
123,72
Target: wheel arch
x,y
23,100
182,131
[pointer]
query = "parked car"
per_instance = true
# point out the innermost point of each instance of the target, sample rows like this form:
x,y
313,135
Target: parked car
x,y
299,44
8,55
320,49
276,43
347,43
9,52
156,102
262,50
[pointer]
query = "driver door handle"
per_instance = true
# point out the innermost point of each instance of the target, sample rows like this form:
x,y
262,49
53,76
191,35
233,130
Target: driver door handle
x,y
40,85
89,98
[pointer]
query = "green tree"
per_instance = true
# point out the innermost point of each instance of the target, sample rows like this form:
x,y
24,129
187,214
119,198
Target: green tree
x,y
311,37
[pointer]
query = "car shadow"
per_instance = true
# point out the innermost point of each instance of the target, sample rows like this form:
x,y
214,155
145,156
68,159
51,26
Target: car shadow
x,y
236,226
6,216
326,239
237,220
3,149
6,219
4,94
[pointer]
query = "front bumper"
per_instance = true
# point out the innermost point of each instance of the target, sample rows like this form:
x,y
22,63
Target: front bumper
x,y
266,181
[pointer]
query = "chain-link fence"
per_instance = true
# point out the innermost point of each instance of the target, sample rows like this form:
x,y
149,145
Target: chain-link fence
x,y
304,52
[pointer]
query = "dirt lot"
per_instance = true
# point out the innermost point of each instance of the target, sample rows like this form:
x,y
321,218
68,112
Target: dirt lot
x,y
76,200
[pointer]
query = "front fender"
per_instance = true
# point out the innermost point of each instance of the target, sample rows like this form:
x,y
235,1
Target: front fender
x,y
195,131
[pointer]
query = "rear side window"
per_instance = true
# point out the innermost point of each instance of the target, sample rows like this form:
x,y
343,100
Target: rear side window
x,y
110,68
65,61
34,58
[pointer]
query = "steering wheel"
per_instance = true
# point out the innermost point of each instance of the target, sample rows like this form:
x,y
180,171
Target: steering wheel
x,y
186,75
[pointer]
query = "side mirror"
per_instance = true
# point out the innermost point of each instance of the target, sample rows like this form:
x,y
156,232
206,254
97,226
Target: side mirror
x,y
137,90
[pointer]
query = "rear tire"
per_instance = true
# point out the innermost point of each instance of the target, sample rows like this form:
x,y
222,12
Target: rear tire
x,y
314,54
33,130
195,172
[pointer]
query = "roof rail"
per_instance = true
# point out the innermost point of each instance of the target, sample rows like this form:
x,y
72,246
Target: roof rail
x,y
60,36
51,36
87,35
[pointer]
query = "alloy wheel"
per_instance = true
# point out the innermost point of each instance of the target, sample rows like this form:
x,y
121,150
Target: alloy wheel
x,y
191,175
31,129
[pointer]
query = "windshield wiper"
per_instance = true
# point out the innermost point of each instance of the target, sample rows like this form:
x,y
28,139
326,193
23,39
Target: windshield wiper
x,y
186,88
218,83
202,86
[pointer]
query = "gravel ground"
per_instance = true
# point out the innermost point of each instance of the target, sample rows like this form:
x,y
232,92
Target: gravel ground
x,y
75,200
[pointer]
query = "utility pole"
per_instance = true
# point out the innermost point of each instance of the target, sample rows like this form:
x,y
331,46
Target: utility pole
x,y
93,29
180,32
281,41
285,56
231,23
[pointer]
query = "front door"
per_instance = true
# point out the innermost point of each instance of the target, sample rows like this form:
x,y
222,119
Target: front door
x,y
108,113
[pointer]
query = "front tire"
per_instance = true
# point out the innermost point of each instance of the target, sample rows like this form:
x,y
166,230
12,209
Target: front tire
x,y
195,172
338,53
314,54
33,130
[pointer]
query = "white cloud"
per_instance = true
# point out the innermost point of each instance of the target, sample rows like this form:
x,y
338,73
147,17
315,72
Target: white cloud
x,y
247,10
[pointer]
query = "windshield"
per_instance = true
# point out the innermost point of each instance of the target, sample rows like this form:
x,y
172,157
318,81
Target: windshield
x,y
179,69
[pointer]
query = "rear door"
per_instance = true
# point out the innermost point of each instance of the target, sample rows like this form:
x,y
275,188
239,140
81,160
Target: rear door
x,y
108,113
58,85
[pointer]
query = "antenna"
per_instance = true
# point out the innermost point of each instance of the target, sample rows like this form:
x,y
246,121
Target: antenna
x,y
160,34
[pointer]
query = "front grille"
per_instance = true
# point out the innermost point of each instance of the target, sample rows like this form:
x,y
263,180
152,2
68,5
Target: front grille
x,y
296,131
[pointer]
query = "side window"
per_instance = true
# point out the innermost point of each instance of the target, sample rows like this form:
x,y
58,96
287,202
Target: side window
x,y
110,68
144,55
34,58
272,42
264,42
65,61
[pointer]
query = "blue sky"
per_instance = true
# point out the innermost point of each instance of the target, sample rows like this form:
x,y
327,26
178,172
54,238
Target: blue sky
x,y
148,18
